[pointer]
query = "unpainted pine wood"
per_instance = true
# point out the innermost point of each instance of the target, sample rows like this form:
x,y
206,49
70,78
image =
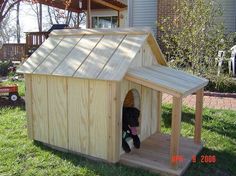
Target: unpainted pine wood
x,y
181,80
169,81
175,131
39,55
100,55
113,31
159,111
154,154
58,54
28,105
178,74
154,117
57,104
146,112
147,55
98,118
137,61
114,123
198,116
78,115
119,63
77,56
40,108
152,83
156,50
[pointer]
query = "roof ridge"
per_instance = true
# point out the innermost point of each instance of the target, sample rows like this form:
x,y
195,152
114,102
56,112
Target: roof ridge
x,y
118,31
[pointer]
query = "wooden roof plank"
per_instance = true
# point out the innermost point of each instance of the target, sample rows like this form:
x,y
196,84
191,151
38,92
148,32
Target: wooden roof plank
x,y
156,50
39,55
154,78
113,31
57,55
97,59
77,56
163,79
178,73
117,66
185,83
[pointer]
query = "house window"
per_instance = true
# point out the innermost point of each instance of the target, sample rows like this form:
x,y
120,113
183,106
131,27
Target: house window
x,y
105,22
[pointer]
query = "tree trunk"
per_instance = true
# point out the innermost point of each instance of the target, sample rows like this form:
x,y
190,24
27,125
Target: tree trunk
x,y
40,17
18,22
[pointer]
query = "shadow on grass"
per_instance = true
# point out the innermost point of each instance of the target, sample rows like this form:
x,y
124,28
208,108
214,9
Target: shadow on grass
x,y
97,167
221,127
224,165
6,103
188,116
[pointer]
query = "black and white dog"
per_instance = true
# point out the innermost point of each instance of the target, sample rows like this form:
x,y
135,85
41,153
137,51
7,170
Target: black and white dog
x,y
129,123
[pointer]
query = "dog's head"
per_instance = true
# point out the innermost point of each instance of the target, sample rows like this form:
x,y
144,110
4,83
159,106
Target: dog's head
x,y
130,116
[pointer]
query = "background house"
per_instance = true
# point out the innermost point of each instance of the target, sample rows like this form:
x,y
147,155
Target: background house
x,y
148,13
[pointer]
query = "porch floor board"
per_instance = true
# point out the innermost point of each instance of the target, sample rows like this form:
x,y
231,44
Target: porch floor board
x,y
154,154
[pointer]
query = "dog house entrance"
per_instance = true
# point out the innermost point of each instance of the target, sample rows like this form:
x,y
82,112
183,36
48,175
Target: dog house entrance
x,y
131,121
132,99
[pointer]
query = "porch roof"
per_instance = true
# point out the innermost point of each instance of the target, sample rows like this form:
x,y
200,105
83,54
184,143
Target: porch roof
x,y
165,79
95,4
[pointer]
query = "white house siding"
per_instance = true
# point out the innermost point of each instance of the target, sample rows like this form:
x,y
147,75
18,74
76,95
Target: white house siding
x,y
143,13
229,14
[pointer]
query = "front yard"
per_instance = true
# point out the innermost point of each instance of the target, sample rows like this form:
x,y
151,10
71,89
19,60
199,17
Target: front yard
x,y
20,156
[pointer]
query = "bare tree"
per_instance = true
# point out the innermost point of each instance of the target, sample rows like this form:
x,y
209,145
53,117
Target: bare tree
x,y
6,6
37,9
57,16
18,30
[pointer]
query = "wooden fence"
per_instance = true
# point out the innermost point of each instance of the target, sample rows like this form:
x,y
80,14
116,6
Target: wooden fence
x,y
34,40
12,51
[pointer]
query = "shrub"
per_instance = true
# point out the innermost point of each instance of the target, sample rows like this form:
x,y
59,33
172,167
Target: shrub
x,y
193,38
4,68
222,83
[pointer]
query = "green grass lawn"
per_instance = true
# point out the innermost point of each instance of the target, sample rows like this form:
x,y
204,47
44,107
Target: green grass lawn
x,y
20,156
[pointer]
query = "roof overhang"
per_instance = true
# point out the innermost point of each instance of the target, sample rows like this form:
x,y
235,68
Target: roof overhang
x,y
165,79
73,5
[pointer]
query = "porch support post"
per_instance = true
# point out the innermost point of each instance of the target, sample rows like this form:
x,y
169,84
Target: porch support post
x,y
118,16
198,116
89,14
175,131
159,111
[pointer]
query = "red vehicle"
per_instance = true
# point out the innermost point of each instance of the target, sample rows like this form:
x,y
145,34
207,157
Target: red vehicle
x,y
11,91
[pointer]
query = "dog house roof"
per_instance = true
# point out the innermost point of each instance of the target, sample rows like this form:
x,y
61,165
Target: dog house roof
x,y
103,54
106,54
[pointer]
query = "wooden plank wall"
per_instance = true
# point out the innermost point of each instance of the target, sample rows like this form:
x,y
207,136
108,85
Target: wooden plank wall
x,y
40,108
75,114
12,51
145,57
57,111
28,105
78,112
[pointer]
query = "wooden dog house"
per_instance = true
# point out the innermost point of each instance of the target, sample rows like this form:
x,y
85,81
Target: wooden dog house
x,y
76,84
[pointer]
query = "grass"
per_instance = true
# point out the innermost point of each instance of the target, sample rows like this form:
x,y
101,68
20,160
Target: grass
x,y
218,135
20,156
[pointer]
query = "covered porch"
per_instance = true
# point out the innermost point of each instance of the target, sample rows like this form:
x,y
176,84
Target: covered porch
x,y
87,6
35,39
165,153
